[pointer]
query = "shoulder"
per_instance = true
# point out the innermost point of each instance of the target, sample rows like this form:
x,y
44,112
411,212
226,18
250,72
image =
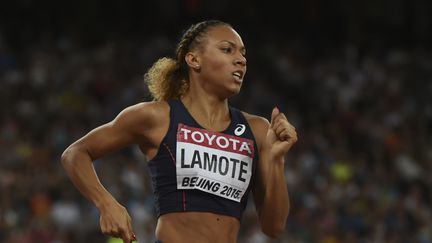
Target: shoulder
x,y
147,122
259,126
154,109
255,121
148,113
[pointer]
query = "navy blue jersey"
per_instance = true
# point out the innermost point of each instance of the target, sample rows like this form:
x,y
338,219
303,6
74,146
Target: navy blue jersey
x,y
200,170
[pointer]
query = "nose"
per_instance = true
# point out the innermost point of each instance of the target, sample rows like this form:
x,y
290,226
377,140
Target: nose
x,y
240,60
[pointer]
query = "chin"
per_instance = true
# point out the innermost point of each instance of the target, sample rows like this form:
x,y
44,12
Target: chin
x,y
230,90
233,91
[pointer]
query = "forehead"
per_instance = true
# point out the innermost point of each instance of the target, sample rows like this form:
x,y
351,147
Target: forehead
x,y
224,33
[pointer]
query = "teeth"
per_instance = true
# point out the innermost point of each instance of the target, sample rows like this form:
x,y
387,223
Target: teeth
x,y
237,74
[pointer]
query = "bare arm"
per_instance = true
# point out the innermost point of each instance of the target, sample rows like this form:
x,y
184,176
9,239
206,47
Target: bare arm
x,y
139,124
270,190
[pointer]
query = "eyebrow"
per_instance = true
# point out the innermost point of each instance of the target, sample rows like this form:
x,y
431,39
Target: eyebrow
x,y
242,48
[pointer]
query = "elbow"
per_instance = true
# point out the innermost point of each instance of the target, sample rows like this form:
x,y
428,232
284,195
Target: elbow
x,y
67,157
73,157
274,230
275,227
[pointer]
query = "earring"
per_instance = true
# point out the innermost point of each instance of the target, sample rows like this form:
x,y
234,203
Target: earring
x,y
197,66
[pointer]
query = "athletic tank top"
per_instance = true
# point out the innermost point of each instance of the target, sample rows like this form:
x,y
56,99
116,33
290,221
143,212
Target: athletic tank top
x,y
200,170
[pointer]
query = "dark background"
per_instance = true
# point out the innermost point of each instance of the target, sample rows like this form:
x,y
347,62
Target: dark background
x,y
354,77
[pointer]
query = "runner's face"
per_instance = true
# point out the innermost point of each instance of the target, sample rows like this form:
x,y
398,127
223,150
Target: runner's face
x,y
223,62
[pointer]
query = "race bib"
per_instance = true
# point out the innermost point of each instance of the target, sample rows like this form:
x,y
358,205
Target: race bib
x,y
213,162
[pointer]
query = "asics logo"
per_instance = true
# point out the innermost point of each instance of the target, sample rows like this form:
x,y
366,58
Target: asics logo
x,y
240,129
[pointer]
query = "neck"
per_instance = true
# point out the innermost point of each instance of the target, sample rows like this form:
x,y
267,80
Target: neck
x,y
208,110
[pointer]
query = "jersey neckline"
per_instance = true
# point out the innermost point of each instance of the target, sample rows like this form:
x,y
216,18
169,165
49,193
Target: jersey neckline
x,y
228,128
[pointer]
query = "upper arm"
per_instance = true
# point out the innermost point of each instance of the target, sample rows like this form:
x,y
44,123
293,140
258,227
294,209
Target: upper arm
x,y
259,126
140,124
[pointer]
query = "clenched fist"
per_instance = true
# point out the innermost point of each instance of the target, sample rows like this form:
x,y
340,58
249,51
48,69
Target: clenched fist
x,y
281,135
115,221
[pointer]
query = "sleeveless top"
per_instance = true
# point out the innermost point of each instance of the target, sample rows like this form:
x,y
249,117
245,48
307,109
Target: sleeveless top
x,y
200,170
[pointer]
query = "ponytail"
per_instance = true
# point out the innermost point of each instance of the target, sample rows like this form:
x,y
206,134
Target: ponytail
x,y
165,80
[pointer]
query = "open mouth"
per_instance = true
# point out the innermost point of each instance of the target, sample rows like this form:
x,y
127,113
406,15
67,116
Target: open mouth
x,y
238,74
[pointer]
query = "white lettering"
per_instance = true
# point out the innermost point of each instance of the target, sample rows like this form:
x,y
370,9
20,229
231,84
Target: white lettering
x,y
218,141
245,146
185,132
194,137
210,139
234,143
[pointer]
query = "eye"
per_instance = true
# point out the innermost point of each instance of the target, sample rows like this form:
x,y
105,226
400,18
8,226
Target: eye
x,y
227,49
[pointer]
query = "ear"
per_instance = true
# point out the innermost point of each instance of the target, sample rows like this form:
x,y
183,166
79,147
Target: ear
x,y
193,60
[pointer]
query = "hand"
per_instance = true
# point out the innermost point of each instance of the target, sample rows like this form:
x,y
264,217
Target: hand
x,y
281,135
115,221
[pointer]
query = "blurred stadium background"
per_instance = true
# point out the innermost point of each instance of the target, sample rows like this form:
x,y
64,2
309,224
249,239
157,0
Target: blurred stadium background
x,y
355,77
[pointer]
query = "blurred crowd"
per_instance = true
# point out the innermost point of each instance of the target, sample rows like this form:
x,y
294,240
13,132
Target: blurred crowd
x,y
360,171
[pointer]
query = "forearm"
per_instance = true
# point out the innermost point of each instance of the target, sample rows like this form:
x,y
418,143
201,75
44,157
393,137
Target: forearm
x,y
275,205
79,167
